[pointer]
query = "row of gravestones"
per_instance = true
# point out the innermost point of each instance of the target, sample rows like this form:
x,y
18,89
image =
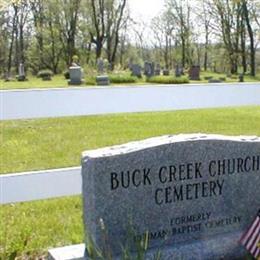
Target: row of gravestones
x,y
150,69
76,74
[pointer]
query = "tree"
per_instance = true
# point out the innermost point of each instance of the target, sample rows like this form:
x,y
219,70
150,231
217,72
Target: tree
x,y
11,45
162,27
97,30
106,21
115,20
69,16
229,14
247,17
38,10
4,38
203,14
48,45
179,11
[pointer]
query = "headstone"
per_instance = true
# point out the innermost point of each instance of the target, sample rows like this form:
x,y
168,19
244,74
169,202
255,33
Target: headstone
x,y
148,69
102,80
194,73
109,66
157,71
166,72
214,81
136,70
21,73
241,78
100,66
7,77
75,75
178,71
193,195
152,69
130,64
229,75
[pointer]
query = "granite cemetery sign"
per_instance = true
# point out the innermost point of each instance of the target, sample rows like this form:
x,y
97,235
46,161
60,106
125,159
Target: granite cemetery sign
x,y
192,195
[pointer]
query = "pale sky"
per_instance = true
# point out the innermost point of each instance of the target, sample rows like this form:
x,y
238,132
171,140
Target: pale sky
x,y
145,9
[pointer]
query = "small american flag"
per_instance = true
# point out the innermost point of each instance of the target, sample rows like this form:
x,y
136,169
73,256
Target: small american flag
x,y
251,239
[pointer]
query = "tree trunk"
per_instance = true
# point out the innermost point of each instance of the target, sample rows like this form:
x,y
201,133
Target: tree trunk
x,y
88,52
206,50
9,63
243,49
251,37
166,53
99,46
183,51
21,43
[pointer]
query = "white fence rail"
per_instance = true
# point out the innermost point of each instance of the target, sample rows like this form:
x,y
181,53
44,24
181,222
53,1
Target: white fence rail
x,y
36,185
22,104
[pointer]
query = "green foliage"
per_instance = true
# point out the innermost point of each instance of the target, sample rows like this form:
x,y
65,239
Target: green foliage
x,y
75,58
167,80
66,74
45,73
122,78
90,81
28,229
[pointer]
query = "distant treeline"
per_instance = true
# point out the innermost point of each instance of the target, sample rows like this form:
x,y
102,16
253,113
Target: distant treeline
x,y
219,35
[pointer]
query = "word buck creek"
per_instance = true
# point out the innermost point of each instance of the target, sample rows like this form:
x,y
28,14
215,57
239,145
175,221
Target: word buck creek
x,y
186,172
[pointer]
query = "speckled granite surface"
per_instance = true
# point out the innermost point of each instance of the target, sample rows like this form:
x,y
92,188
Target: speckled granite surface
x,y
195,193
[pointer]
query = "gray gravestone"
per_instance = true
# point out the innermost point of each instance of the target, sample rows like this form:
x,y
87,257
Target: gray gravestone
x,y
136,70
157,70
146,68
130,64
75,75
100,66
21,71
194,73
166,72
152,69
109,66
194,195
102,80
178,71
241,78
149,69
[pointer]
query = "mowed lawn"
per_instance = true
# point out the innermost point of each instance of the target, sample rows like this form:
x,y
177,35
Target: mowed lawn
x,y
58,81
27,230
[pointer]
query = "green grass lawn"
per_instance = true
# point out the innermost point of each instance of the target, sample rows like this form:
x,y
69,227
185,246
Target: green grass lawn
x,y
234,78
59,81
34,82
29,229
